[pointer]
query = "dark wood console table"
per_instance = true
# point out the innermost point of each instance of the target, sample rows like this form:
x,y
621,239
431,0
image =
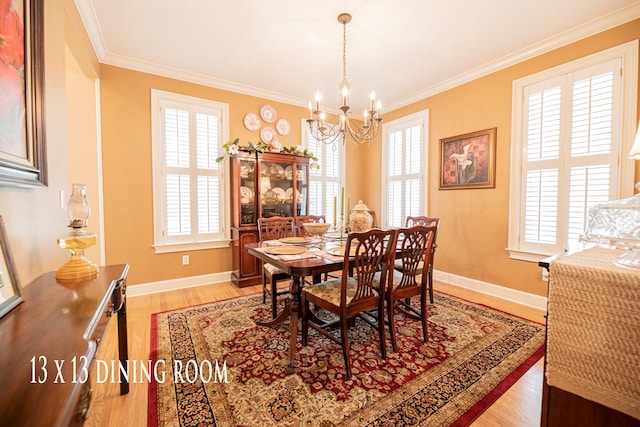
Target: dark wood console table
x,y
49,343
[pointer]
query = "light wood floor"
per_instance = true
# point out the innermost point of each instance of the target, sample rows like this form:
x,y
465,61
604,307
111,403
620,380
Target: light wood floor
x,y
520,406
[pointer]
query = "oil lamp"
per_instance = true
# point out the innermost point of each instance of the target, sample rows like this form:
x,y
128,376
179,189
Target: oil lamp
x,y
78,267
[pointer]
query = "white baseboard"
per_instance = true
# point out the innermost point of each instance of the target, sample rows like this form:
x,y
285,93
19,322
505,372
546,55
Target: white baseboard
x,y
508,294
513,295
177,284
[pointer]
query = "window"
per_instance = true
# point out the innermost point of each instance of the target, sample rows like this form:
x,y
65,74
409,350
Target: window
x,y
189,186
325,181
404,165
567,153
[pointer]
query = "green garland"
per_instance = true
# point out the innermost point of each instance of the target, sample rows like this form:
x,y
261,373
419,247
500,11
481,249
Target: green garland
x,y
232,148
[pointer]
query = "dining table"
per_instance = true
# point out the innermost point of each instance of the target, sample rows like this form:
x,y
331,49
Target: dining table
x,y
314,261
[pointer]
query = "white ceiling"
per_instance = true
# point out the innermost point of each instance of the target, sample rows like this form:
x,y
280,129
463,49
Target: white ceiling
x,y
285,50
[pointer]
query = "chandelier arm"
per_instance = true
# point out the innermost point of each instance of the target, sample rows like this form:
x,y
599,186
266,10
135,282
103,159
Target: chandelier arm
x,y
326,132
361,134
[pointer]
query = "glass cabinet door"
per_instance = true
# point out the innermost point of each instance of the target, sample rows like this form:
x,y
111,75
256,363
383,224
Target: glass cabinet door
x,y
247,191
276,189
302,189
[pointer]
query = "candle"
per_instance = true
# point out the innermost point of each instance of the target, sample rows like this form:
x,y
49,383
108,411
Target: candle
x,y
310,110
334,210
348,205
342,202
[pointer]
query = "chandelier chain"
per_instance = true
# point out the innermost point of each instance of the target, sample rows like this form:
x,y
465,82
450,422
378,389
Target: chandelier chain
x,y
344,52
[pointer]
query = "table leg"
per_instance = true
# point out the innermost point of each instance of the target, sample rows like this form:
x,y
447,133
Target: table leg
x,y
123,347
284,315
294,297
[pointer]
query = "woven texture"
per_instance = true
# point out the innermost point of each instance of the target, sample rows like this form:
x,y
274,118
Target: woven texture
x,y
593,329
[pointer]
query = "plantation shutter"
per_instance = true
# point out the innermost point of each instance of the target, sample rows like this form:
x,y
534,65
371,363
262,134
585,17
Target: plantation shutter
x,y
568,164
193,179
324,182
404,172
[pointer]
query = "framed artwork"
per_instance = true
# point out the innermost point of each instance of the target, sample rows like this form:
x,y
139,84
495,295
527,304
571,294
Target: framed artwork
x,y
9,287
23,160
468,161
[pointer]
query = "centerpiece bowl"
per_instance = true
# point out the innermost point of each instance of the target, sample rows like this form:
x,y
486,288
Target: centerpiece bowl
x,y
315,228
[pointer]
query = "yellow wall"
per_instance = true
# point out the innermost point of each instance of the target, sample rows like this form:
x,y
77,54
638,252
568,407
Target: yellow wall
x,y
474,223
128,201
474,226
83,146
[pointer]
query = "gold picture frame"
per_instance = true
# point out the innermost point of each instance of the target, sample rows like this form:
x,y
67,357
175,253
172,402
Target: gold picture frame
x,y
23,161
468,160
10,296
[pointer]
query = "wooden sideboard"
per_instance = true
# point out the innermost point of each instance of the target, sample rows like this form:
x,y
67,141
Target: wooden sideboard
x,y
592,331
49,344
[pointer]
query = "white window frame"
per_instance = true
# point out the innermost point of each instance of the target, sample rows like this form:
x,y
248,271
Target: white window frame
x,y
163,244
420,118
341,179
622,184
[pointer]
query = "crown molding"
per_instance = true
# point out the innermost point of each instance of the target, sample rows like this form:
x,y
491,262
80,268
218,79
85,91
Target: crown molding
x,y
187,76
575,34
90,21
595,26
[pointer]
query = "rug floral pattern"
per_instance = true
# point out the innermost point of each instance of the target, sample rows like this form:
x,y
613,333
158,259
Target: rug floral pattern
x,y
471,351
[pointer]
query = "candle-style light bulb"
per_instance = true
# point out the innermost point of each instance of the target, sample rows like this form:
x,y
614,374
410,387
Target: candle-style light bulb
x,y
345,93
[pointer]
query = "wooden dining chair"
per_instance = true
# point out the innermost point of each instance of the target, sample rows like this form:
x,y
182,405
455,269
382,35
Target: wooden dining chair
x,y
271,229
347,297
414,249
426,221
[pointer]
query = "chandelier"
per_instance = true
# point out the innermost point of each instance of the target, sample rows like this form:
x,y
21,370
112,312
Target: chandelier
x,y
359,132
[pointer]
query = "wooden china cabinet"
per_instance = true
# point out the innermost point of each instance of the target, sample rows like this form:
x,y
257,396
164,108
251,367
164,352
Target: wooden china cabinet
x,y
263,185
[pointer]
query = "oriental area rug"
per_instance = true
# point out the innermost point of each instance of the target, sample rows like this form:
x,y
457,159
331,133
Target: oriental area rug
x,y
224,370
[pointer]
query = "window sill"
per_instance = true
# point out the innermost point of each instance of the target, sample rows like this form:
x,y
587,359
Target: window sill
x,y
184,247
527,256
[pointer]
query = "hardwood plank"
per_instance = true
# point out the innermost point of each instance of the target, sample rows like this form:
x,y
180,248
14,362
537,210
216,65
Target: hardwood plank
x,y
519,406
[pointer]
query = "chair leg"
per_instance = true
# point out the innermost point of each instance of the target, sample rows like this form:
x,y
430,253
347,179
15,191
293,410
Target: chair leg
x,y
264,288
423,313
305,320
392,326
430,283
344,335
383,343
274,297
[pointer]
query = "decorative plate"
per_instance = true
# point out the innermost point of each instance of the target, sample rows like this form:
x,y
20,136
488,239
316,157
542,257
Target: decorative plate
x,y
280,194
246,195
283,127
276,171
251,121
266,134
285,250
268,113
288,172
288,195
295,240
